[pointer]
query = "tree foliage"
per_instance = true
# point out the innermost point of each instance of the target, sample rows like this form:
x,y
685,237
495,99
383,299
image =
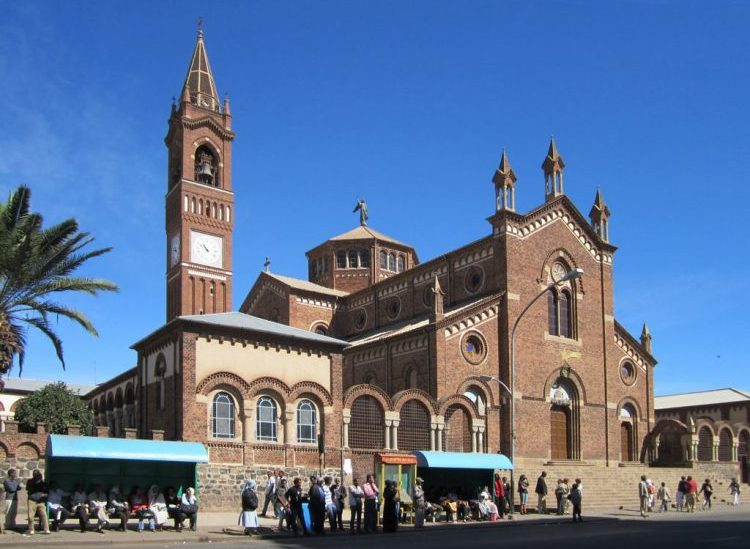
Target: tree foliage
x,y
57,406
36,265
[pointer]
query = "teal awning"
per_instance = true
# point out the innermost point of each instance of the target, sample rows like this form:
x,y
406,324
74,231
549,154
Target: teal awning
x,y
460,460
64,446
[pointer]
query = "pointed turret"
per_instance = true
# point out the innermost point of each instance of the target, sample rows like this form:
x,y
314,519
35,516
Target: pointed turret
x,y
199,84
646,339
505,185
437,312
553,166
599,216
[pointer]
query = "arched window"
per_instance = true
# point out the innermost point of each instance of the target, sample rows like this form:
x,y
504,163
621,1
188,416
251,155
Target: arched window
x,y
266,420
414,427
200,207
186,203
222,416
353,259
192,205
725,445
566,325
206,171
364,258
321,329
564,420
476,396
221,212
341,259
306,429
391,262
705,444
627,433
229,214
383,260
552,313
159,372
366,427
457,434
400,263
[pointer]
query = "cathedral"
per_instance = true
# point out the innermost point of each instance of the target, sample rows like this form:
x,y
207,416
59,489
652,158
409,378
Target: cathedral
x,y
508,344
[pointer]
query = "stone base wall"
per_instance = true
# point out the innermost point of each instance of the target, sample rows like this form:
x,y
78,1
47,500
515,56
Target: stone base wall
x,y
219,485
608,487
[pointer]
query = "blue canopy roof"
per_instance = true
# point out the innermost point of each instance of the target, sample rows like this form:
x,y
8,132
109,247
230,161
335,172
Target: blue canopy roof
x,y
460,460
64,446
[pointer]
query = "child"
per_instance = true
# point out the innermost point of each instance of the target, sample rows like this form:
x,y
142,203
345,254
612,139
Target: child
x,y
663,496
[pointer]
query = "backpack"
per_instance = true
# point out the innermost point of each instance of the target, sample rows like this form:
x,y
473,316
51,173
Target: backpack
x,y
249,500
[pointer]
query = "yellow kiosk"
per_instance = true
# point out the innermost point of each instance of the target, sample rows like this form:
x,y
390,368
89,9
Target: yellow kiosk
x,y
401,469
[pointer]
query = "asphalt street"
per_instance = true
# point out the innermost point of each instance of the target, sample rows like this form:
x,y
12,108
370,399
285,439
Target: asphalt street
x,y
728,528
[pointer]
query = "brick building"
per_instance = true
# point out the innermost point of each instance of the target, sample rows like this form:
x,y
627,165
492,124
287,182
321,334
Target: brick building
x,y
377,351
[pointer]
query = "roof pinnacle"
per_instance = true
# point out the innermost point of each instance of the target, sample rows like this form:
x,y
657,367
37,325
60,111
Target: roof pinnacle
x,y
199,81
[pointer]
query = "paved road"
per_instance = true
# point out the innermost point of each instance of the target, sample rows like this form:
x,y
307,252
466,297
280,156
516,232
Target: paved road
x,y
727,528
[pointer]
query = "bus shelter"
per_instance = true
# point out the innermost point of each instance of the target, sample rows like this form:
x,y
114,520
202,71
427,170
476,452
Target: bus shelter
x,y
460,473
122,462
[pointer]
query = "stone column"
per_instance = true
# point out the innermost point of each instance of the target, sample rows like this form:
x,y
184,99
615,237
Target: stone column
x,y
396,423
289,427
347,417
440,428
735,450
433,434
392,419
480,440
715,451
247,422
388,424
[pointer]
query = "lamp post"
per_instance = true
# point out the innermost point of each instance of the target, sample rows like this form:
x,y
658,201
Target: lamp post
x,y
570,275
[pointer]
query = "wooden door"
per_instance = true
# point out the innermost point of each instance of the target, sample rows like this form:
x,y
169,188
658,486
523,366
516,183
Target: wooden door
x,y
560,432
626,441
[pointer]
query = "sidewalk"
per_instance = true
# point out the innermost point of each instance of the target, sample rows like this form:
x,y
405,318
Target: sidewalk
x,y
222,526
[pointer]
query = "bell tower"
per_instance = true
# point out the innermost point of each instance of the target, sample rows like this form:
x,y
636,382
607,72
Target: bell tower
x,y
199,200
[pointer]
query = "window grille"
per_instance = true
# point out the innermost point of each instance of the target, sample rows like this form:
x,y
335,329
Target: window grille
x,y
457,433
414,428
705,444
725,445
222,420
267,419
367,425
306,430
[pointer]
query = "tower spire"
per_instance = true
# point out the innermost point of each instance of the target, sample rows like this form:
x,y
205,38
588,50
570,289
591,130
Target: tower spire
x,y
505,185
646,339
553,166
199,82
599,216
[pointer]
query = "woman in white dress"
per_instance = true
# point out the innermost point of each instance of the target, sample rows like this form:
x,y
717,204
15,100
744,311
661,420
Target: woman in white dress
x,y
158,506
249,515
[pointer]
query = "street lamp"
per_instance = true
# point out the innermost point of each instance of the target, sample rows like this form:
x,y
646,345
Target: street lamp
x,y
570,275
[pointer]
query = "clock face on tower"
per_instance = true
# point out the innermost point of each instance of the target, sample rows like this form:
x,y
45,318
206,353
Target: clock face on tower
x,y
174,250
206,249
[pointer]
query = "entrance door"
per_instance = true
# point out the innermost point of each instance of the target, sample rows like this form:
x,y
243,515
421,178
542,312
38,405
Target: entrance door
x,y
626,441
560,432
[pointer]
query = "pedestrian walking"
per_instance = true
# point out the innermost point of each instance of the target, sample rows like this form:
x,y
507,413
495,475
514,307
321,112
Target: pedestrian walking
x,y
643,495
541,492
662,495
282,505
707,490
419,503
651,495
691,494
523,493
270,494
679,498
734,491
249,514
575,498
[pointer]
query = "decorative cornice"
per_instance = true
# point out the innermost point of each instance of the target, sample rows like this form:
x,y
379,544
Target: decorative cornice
x,y
472,257
632,347
470,320
207,122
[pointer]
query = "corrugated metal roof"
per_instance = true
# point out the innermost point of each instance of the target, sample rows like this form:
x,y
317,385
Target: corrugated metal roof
x,y
248,322
22,385
701,398
305,285
65,446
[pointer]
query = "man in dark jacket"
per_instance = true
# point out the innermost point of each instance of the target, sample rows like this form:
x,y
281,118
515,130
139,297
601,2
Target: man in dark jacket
x,y
541,492
294,499
317,506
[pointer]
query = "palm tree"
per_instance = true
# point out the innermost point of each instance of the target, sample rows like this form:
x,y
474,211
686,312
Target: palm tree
x,y
35,265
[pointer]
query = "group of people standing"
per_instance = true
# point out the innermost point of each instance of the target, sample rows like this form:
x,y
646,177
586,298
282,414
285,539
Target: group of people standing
x,y
687,495
53,506
567,495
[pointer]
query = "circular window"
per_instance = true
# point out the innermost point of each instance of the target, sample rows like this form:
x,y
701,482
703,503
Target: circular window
x,y
474,348
321,329
474,279
393,307
627,373
360,319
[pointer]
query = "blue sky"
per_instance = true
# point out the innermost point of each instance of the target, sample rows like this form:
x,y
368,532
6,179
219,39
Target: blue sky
x,y
407,104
